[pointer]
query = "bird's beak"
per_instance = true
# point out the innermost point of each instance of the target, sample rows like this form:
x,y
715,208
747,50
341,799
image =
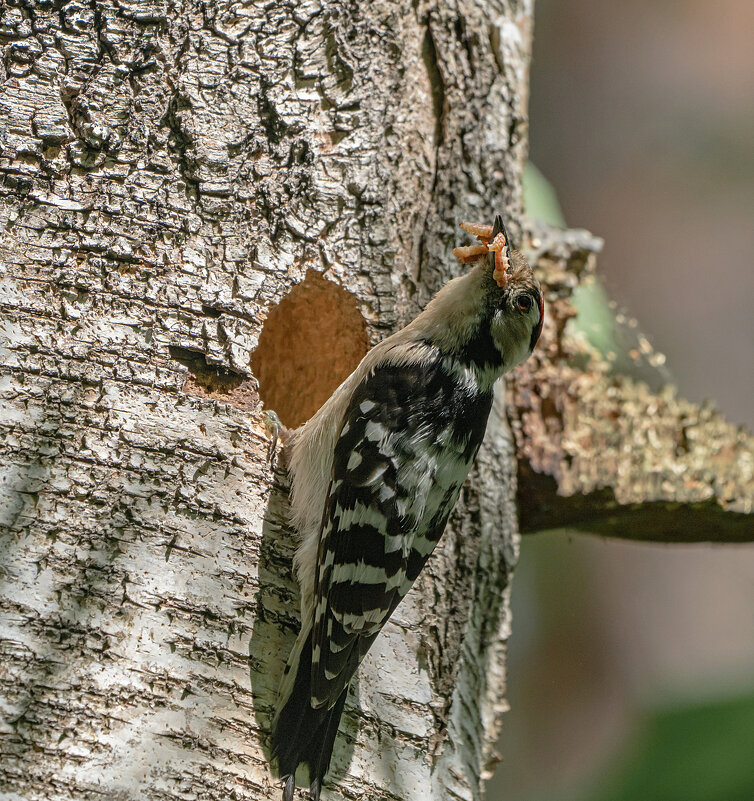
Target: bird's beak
x,y
497,227
499,259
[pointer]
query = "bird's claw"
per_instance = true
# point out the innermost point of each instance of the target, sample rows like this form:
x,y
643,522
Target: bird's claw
x,y
274,426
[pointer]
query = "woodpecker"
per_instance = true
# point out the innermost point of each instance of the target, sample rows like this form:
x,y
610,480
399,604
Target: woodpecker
x,y
376,472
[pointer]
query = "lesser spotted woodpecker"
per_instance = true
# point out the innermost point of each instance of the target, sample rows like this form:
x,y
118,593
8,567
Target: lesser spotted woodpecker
x,y
376,472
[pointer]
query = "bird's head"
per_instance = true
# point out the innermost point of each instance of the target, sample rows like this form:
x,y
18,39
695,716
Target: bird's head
x,y
513,296
492,316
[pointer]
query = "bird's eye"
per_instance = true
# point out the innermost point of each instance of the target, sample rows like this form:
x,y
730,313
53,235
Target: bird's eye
x,y
523,302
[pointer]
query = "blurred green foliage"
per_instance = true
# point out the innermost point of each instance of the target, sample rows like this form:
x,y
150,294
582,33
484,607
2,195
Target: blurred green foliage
x,y
703,752
540,199
690,752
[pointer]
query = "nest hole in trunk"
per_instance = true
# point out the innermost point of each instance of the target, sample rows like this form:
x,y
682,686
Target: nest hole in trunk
x,y
310,342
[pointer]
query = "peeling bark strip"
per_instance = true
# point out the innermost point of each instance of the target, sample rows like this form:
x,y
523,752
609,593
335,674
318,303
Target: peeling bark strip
x,y
168,172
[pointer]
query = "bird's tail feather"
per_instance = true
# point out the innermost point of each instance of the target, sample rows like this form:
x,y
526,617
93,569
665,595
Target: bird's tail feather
x,y
300,733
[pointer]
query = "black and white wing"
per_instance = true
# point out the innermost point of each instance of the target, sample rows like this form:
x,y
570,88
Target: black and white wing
x,y
405,448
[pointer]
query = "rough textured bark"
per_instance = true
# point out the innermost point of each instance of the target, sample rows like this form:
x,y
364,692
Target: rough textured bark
x,y
169,171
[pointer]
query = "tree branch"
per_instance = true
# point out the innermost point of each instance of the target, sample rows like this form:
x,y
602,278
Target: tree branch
x,y
600,451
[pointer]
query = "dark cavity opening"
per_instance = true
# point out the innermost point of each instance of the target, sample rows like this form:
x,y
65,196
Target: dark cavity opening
x,y
214,381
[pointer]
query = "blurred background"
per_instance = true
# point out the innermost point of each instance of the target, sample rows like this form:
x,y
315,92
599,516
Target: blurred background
x,y
631,667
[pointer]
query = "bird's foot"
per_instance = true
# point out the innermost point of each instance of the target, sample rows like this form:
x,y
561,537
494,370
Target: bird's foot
x,y
277,431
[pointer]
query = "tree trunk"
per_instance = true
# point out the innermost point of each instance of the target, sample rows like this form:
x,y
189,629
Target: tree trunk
x,y
170,173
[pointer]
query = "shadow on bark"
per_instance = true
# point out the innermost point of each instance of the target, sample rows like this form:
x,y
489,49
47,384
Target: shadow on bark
x,y
277,624
81,569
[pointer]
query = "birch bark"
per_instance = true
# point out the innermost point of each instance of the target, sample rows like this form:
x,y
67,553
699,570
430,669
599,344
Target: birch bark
x,y
169,172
